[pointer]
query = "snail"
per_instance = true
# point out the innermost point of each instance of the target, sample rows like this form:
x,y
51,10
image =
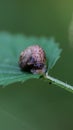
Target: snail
x,y
33,60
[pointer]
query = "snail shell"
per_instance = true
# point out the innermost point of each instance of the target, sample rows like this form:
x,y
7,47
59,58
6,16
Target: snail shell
x,y
33,59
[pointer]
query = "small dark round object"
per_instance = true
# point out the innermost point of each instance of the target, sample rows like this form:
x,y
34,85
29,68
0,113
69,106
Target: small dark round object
x,y
33,59
50,82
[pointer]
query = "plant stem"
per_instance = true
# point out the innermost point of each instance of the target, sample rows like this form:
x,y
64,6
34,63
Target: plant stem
x,y
59,83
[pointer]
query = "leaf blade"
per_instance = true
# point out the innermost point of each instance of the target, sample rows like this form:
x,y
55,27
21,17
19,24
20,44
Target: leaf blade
x,y
9,68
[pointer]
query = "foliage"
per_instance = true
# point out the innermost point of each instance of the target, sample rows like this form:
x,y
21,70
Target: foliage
x,y
10,49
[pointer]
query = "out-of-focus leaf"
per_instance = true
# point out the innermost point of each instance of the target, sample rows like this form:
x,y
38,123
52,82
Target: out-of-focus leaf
x,y
35,106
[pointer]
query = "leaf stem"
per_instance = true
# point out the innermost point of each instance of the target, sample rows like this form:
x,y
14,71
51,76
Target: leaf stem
x,y
59,83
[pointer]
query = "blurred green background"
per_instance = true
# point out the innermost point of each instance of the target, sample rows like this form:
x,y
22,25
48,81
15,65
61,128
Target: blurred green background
x,y
38,105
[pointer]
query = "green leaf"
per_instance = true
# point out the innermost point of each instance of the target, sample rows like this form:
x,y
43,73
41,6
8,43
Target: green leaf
x,y
10,49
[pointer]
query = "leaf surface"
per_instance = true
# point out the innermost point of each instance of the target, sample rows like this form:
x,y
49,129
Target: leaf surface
x,y
10,48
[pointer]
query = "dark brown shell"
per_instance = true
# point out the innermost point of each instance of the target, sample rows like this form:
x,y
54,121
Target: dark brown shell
x,y
33,59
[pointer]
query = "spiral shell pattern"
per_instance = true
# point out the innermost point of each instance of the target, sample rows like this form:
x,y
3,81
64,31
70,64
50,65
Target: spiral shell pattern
x,y
33,59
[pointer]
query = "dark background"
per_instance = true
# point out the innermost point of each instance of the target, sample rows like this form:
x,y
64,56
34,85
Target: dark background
x,y
41,106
